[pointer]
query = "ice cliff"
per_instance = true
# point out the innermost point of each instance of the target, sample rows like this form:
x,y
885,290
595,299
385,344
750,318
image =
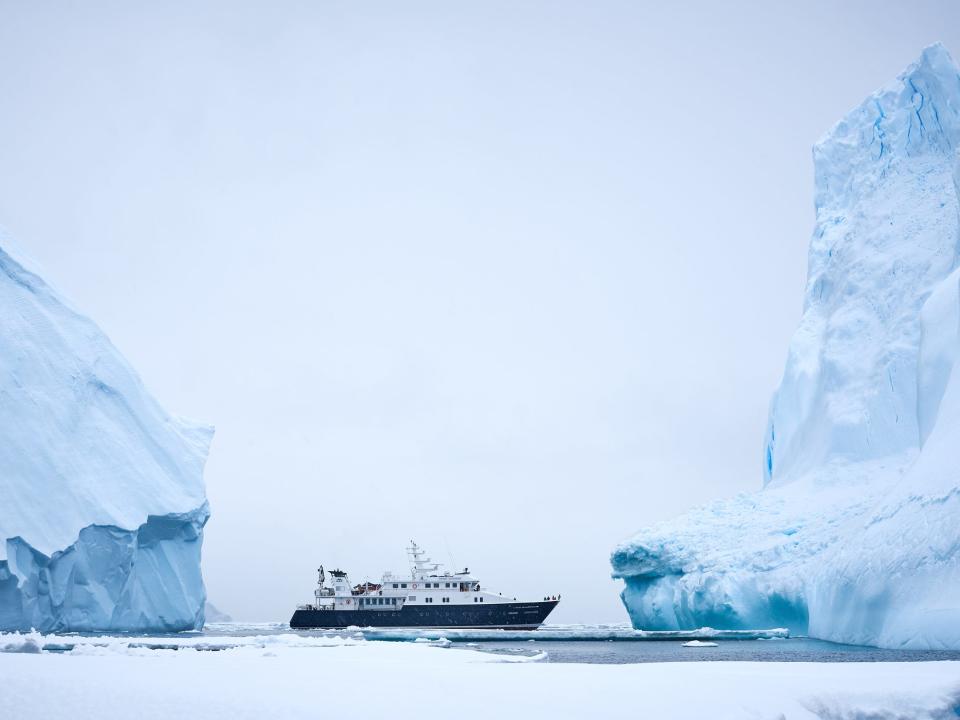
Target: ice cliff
x,y
102,502
855,536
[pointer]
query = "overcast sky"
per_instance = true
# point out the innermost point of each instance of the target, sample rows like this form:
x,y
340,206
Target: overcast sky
x,y
510,279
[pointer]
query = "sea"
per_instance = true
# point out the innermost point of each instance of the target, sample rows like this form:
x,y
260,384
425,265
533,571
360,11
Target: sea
x,y
609,644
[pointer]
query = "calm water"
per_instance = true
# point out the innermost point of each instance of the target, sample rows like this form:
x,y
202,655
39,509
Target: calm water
x,y
789,650
620,644
600,644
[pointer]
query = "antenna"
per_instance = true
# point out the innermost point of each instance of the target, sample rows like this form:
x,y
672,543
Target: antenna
x,y
449,554
419,565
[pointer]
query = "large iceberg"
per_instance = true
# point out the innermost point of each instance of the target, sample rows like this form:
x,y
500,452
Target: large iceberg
x,y
855,536
102,501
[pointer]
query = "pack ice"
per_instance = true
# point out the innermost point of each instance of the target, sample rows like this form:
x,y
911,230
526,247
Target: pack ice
x,y
855,534
102,502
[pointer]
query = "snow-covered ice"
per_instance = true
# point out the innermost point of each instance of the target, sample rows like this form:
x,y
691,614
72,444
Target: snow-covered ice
x,y
103,500
855,536
292,676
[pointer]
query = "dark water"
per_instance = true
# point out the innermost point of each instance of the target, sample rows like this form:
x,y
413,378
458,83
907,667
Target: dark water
x,y
597,644
621,644
787,650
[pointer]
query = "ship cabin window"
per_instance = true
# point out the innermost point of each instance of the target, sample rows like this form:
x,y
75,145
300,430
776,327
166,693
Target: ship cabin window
x,y
446,599
412,598
475,599
403,585
395,585
481,598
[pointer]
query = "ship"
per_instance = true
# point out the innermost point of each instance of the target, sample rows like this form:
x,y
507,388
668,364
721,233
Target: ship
x,y
430,597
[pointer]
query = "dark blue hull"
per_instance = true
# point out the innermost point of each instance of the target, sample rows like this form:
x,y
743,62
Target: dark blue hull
x,y
513,615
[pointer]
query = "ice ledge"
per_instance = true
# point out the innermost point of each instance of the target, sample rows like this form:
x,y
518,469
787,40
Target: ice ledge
x,y
109,579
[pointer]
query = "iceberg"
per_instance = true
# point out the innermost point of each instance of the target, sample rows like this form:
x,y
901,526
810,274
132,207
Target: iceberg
x,y
213,614
102,501
855,534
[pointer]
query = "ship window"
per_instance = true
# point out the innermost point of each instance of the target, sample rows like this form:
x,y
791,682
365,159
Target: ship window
x,y
412,597
395,585
403,585
481,599
475,599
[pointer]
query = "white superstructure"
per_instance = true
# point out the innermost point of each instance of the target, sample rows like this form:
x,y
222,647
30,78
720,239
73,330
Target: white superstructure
x,y
427,584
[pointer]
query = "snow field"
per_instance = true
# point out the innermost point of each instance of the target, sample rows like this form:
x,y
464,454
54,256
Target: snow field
x,y
286,678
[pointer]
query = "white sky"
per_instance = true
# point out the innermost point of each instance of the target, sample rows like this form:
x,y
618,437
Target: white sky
x,y
511,279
